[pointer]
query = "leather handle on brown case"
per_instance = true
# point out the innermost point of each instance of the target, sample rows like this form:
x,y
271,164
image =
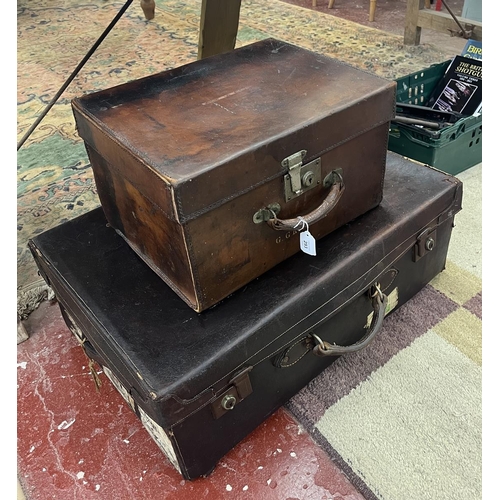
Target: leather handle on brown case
x,y
379,301
333,197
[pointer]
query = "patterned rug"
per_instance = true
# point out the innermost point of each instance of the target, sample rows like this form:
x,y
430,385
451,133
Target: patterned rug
x,y
403,417
55,181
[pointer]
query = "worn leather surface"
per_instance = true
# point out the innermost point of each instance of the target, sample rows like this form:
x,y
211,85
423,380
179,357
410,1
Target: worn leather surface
x,y
215,119
133,304
176,361
185,158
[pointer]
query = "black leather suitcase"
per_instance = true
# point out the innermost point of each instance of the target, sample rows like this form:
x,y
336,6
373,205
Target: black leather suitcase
x,y
200,382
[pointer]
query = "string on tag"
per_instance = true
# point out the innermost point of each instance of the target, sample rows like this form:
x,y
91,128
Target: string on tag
x,y
307,241
303,222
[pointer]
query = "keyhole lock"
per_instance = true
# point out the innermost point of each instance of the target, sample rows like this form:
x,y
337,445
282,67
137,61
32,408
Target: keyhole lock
x,y
300,178
429,244
307,179
228,402
426,242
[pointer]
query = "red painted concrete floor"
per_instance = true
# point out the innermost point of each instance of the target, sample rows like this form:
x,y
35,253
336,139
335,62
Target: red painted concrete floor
x,y
76,443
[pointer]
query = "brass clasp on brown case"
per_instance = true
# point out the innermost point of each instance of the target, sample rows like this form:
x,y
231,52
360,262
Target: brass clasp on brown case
x,y
300,178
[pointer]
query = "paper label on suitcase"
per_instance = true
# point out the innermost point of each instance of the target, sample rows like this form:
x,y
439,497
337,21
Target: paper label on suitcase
x,y
75,330
392,302
160,437
119,387
154,430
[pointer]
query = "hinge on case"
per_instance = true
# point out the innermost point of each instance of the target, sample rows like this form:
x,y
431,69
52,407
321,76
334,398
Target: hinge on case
x,y
300,178
265,214
239,388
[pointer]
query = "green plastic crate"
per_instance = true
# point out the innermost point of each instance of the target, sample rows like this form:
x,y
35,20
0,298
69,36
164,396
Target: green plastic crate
x,y
452,149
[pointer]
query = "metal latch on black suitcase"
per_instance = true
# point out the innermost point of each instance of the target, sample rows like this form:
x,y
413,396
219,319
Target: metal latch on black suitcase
x,y
239,388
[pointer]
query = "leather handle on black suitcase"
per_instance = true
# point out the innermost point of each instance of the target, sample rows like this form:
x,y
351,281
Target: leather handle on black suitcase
x,y
336,191
379,301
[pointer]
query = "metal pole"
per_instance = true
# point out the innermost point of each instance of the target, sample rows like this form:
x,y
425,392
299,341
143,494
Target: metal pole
x,y
74,73
454,18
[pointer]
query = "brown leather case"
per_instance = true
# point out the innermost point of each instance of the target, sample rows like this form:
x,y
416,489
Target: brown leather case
x,y
210,170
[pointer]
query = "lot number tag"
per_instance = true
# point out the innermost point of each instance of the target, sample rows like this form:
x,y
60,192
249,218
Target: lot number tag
x,y
307,243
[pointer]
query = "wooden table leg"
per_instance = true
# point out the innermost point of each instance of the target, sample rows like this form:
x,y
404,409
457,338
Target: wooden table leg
x,y
218,26
148,7
417,17
412,30
373,4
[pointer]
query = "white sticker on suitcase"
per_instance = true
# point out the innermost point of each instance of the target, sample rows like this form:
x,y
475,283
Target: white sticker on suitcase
x,y
74,329
119,387
160,437
392,302
154,430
